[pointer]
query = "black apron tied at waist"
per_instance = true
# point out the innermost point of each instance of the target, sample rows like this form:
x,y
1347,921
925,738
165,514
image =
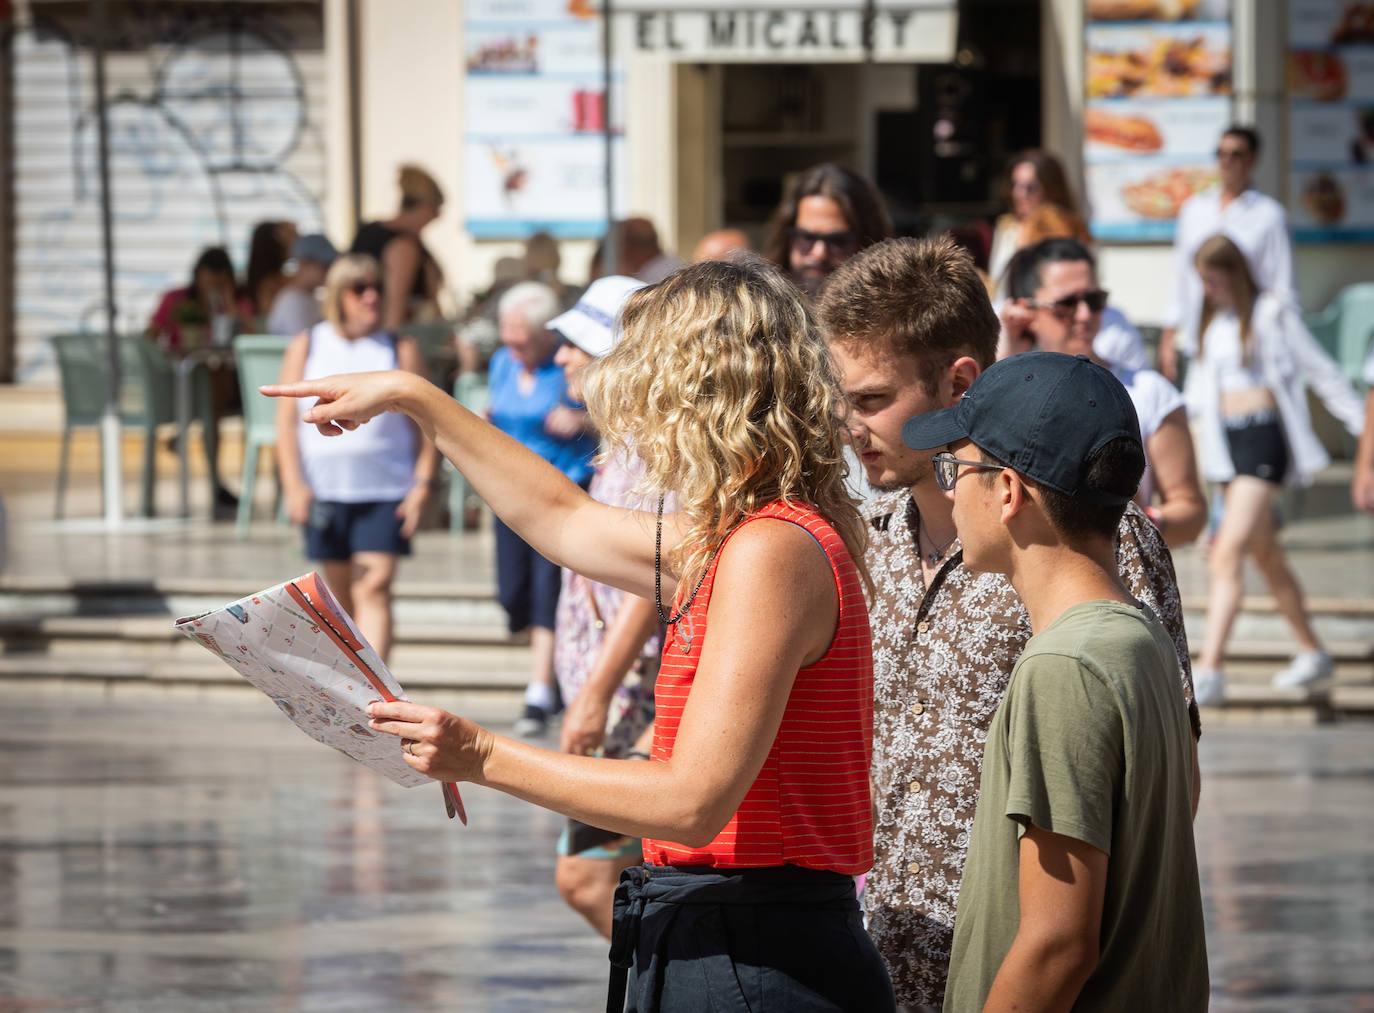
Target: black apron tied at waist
x,y
627,913
670,893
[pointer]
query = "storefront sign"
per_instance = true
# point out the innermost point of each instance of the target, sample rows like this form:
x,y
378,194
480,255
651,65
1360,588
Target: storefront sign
x,y
914,31
916,36
1331,119
1158,97
534,116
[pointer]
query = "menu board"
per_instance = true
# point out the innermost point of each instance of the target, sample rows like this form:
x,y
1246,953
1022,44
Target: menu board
x,y
535,111
1331,119
1157,77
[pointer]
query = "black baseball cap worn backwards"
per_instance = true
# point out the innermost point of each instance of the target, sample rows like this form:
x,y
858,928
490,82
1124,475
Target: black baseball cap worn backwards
x,y
1044,413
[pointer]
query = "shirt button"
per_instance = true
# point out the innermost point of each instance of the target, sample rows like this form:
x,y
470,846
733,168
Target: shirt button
x,y
914,787
918,708
914,868
922,626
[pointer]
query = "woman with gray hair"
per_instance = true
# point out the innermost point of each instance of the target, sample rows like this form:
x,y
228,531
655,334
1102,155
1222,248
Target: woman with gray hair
x,y
529,402
359,504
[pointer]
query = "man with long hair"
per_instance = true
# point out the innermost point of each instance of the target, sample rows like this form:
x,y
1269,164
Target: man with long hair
x,y
828,215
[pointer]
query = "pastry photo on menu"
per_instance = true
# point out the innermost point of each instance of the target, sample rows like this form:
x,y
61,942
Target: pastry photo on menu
x,y
1128,63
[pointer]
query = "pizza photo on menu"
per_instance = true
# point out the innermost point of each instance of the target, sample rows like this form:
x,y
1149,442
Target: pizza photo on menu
x,y
1161,194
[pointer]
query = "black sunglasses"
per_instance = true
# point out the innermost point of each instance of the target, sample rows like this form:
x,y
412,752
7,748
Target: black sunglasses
x,y
360,287
1094,299
803,240
947,469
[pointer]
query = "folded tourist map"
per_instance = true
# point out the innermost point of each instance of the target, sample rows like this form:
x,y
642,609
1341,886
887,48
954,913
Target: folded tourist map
x,y
296,644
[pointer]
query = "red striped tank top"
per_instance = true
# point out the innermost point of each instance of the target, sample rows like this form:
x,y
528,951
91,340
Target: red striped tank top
x,y
809,805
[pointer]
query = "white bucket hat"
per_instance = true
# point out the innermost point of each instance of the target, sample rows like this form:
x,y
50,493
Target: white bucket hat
x,y
591,324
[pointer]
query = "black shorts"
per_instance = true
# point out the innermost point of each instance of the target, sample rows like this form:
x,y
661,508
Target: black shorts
x,y
1257,446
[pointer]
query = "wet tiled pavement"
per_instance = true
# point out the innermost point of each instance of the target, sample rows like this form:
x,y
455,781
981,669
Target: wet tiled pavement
x,y
196,854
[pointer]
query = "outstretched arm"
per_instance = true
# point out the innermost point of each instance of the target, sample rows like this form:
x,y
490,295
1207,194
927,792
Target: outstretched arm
x,y
773,610
535,499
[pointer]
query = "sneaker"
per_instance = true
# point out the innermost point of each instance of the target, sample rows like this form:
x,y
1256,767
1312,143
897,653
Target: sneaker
x,y
1209,687
532,723
1306,668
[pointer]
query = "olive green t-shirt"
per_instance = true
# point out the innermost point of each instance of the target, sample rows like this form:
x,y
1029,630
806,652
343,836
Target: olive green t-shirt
x,y
1092,741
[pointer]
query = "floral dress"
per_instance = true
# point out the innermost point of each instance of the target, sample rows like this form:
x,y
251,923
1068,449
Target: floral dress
x,y
577,636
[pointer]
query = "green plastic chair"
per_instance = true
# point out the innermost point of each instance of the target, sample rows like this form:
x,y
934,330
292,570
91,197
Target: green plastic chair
x,y
258,357
1344,328
145,397
470,391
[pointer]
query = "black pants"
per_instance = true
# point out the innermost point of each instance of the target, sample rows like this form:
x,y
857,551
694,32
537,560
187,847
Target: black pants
x,y
782,938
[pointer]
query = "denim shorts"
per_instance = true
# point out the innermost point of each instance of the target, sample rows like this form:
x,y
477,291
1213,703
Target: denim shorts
x,y
335,532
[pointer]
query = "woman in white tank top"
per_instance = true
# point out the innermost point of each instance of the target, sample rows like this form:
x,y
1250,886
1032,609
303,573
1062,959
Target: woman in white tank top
x,y
358,500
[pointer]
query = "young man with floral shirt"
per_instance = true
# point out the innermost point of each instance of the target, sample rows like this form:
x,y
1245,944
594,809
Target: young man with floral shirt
x,y
910,328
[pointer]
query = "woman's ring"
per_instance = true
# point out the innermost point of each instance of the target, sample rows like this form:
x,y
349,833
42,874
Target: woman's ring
x,y
406,746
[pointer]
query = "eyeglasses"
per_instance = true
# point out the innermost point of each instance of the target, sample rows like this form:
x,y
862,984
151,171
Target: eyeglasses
x,y
360,287
804,240
1232,154
1066,306
947,469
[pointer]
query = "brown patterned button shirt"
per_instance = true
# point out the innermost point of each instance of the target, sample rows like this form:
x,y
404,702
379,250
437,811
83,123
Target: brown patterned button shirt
x,y
941,660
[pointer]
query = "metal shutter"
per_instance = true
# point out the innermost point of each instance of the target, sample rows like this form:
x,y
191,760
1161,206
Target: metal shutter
x,y
216,118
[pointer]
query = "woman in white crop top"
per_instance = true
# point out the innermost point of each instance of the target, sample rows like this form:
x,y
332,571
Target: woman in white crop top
x,y
359,501
1254,360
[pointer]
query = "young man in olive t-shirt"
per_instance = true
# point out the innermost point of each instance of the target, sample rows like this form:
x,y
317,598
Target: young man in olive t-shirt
x,y
1081,886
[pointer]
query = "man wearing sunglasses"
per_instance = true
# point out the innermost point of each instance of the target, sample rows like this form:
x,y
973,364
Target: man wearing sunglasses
x,y
1056,305
828,215
910,328
1234,208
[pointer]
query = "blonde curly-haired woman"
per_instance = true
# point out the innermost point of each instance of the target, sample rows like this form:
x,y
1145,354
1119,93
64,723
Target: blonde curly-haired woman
x,y
755,810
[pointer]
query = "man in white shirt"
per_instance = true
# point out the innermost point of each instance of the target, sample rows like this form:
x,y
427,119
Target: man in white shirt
x,y
1254,222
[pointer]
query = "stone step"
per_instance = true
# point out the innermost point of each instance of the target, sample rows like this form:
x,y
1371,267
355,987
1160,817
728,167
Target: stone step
x,y
157,632
457,673
414,603
1335,620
